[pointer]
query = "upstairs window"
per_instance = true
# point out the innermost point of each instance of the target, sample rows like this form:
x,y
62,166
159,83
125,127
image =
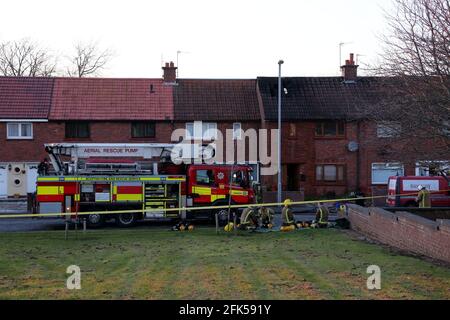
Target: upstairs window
x,y
143,130
201,130
237,131
77,130
330,129
388,129
17,130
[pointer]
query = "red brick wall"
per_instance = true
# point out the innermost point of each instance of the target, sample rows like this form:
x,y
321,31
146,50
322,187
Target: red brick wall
x,y
54,132
228,125
301,146
403,230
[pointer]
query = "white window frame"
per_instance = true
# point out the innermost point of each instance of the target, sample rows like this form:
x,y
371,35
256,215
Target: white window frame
x,y
386,165
19,136
237,132
388,129
201,131
189,135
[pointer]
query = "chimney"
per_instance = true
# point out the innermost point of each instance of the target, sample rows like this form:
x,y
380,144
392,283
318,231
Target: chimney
x,y
170,73
350,70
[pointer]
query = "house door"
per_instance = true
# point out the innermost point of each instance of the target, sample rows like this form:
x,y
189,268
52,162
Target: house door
x,y
3,181
293,180
31,177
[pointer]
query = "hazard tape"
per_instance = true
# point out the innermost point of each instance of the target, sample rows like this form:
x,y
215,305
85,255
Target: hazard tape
x,y
259,205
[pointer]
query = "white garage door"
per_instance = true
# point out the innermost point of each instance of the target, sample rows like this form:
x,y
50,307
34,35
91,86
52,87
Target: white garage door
x,y
3,181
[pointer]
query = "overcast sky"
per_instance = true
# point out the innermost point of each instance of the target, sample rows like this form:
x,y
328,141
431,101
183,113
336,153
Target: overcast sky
x,y
218,39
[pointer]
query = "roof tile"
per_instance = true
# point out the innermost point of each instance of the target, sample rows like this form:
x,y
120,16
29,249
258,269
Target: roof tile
x,y
111,99
25,98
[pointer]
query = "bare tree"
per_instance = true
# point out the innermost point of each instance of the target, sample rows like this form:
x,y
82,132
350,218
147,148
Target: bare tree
x,y
415,79
88,60
25,58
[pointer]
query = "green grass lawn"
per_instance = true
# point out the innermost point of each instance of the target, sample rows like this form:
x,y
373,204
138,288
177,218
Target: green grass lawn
x,y
157,264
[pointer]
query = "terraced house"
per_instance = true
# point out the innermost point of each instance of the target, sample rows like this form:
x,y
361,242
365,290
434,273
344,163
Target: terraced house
x,y
326,141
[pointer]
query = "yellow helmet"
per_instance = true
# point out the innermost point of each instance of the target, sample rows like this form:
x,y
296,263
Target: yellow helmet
x,y
287,202
229,227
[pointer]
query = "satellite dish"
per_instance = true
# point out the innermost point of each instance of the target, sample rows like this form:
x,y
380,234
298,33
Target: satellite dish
x,y
353,146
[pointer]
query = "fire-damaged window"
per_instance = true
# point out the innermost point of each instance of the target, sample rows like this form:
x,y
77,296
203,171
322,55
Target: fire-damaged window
x,y
388,129
330,128
330,173
142,129
79,129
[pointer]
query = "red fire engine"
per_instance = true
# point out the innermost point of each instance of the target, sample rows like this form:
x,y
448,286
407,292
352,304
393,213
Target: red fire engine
x,y
122,177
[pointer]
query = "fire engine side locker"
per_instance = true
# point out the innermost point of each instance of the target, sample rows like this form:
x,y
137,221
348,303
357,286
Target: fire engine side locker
x,y
161,195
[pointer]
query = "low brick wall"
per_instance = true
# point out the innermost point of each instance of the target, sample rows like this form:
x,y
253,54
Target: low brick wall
x,y
403,230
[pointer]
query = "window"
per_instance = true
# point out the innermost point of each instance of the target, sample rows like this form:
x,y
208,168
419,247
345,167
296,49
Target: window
x,y
77,130
17,130
237,131
432,168
190,130
201,130
388,129
330,128
209,131
292,130
330,173
205,177
143,130
382,171
446,128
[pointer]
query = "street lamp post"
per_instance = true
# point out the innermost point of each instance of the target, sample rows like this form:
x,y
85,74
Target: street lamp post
x,y
280,186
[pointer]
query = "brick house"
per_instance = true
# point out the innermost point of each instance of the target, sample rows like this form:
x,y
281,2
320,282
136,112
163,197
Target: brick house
x,y
326,148
35,111
219,104
24,108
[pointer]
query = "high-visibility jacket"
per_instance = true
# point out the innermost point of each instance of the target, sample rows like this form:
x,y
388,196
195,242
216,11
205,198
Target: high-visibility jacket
x,y
266,215
322,214
424,199
248,216
287,216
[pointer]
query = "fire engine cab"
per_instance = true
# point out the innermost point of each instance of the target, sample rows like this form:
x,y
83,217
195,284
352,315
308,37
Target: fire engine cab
x,y
141,177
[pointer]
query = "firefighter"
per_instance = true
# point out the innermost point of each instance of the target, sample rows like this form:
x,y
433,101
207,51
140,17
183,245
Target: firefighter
x,y
322,214
423,198
249,219
266,216
43,167
287,216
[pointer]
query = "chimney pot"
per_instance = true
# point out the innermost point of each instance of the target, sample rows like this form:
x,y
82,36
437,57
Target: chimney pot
x,y
350,69
170,73
351,58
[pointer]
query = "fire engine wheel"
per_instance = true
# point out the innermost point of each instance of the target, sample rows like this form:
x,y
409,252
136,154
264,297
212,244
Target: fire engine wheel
x,y
126,220
95,220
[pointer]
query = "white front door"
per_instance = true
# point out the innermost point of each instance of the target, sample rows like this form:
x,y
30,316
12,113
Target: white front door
x,y
3,181
31,177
